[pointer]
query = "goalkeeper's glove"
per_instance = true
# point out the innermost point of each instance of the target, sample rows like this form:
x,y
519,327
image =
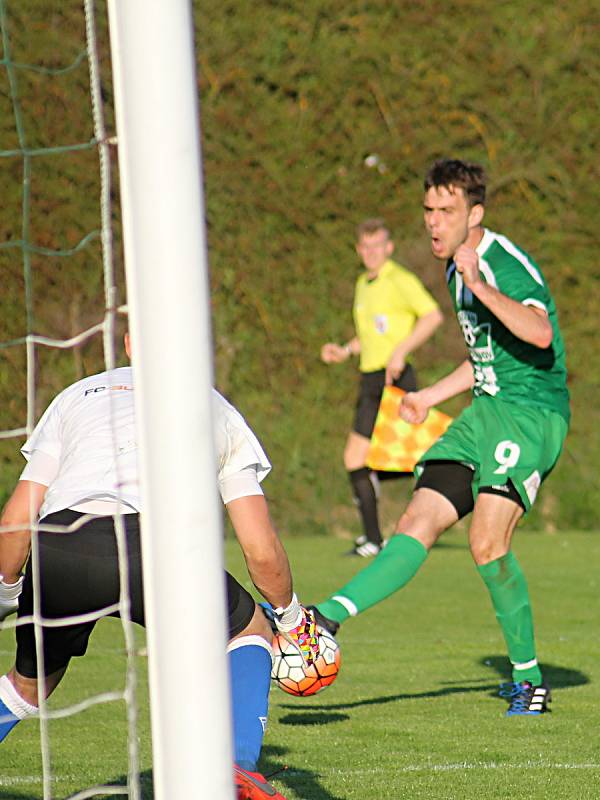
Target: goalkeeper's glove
x,y
297,625
9,597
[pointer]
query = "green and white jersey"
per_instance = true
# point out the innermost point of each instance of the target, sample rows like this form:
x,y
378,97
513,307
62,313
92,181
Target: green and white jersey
x,y
504,365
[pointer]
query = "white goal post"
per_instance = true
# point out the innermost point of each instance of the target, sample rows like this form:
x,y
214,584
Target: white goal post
x,y
155,87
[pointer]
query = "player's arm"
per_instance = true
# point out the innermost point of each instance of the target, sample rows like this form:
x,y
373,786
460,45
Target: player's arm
x,y
526,322
416,405
424,328
19,513
269,568
265,556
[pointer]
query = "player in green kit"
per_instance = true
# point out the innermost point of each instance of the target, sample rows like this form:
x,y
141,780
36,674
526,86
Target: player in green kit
x,y
493,458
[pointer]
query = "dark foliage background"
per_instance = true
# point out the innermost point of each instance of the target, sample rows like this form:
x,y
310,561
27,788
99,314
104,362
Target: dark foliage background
x,y
294,99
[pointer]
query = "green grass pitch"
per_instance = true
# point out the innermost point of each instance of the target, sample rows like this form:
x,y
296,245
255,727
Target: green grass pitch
x,y
413,713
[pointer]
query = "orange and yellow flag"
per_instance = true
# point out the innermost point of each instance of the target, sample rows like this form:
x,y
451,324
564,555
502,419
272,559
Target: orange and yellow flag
x,y
396,446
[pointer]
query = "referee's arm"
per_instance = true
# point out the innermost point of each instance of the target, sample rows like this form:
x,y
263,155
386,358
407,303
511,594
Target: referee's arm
x,y
19,513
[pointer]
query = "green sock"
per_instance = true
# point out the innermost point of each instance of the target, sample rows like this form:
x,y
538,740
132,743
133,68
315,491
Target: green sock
x,y
394,566
508,589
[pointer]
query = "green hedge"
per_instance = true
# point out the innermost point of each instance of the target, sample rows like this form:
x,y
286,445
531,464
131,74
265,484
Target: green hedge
x,y
294,97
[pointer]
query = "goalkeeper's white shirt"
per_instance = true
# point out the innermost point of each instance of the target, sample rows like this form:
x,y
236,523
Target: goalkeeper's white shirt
x,y
84,449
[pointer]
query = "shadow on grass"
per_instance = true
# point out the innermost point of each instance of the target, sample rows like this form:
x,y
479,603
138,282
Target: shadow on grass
x,y
326,717
303,781
557,677
145,785
322,717
272,764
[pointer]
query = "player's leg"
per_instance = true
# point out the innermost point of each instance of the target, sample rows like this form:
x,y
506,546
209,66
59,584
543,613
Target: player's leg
x,y
19,697
250,659
443,495
518,447
249,654
494,521
19,688
79,573
492,527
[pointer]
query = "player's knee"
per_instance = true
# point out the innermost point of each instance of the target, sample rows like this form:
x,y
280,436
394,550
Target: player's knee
x,y
264,628
258,626
406,522
417,527
421,523
485,549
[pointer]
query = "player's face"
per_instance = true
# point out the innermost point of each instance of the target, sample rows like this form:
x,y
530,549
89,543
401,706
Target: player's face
x,y
449,219
374,250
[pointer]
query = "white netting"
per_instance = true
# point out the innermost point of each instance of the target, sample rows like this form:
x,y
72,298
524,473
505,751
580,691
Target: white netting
x,y
39,310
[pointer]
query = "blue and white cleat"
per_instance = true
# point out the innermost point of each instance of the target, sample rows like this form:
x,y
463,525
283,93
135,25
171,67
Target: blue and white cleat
x,y
525,698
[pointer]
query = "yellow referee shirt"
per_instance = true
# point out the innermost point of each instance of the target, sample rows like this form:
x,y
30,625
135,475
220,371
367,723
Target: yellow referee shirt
x,y
385,311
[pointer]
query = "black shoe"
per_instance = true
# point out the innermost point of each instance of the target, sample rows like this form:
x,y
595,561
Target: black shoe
x,y
330,625
525,698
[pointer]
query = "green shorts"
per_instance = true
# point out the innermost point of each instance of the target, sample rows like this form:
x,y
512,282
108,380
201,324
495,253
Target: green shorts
x,y
503,442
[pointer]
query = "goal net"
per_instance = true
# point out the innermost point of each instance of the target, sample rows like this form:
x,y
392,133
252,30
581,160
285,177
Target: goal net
x,y
64,278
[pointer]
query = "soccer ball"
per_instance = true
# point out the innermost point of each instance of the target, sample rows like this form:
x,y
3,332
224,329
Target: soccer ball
x,y
290,673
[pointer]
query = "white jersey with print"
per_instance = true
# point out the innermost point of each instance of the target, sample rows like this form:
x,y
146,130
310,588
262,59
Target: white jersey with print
x,y
84,446
241,461
84,449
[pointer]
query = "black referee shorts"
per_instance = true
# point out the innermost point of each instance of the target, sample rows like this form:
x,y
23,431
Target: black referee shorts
x,y
79,574
369,396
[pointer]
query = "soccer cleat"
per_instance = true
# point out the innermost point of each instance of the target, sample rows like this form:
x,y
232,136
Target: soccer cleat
x,y
365,550
322,621
253,786
525,698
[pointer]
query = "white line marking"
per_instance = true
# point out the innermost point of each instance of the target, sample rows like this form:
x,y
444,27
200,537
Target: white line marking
x,y
464,765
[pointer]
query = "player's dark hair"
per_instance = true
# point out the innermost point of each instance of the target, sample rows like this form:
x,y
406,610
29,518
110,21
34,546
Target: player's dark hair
x,y
451,173
370,226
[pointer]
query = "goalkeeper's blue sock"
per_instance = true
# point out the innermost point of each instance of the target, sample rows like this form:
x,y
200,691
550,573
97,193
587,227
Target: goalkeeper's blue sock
x,y
250,666
12,707
7,721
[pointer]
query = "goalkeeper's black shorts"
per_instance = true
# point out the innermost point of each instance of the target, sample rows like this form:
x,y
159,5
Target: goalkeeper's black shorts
x,y
79,574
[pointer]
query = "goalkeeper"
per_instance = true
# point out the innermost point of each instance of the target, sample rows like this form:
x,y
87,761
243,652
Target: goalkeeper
x,y
493,458
70,481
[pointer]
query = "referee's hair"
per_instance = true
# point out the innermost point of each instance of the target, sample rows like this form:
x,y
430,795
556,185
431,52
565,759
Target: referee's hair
x,y
452,173
370,226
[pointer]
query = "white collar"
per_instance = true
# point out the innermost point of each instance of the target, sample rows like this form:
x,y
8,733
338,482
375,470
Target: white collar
x,y
486,240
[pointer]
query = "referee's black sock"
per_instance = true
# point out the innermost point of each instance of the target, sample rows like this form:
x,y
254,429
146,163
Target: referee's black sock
x,y
364,492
